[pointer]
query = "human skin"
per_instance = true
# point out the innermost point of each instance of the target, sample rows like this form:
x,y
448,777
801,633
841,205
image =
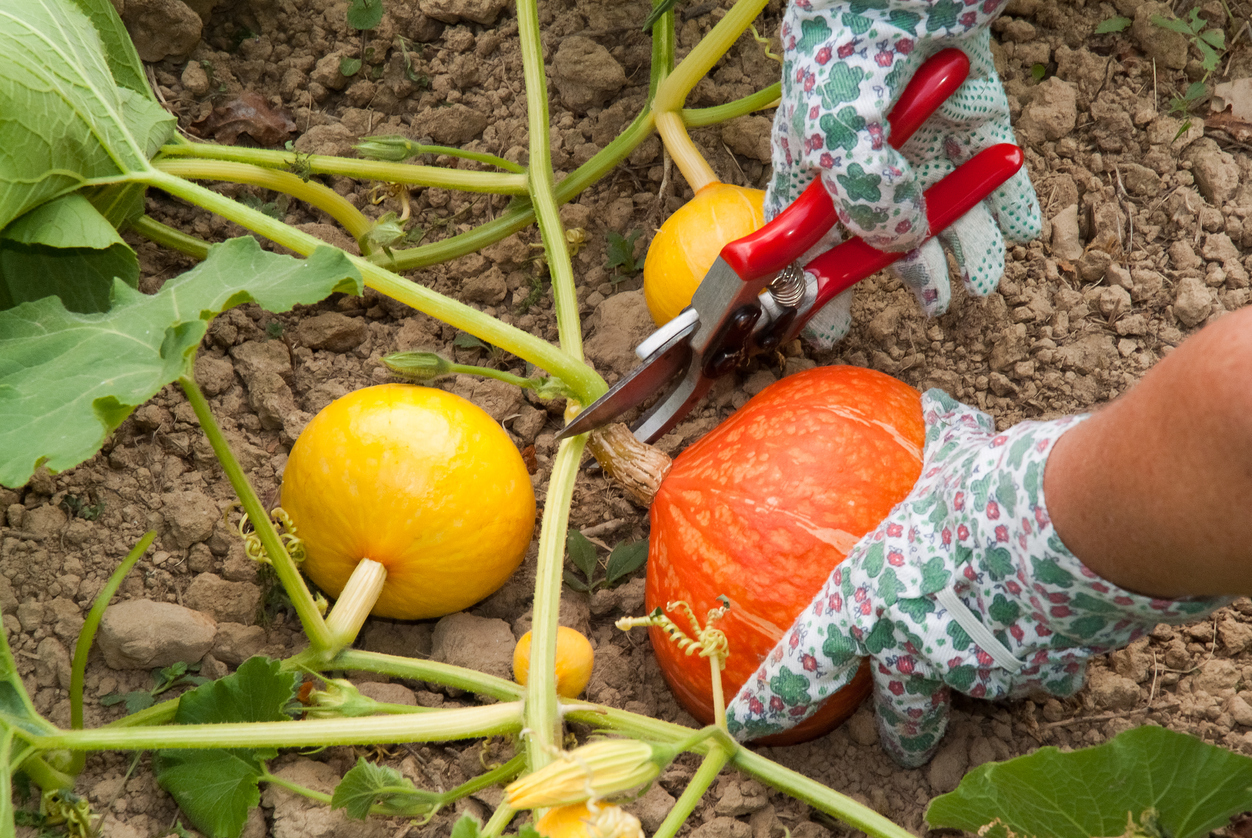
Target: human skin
x,y
1154,492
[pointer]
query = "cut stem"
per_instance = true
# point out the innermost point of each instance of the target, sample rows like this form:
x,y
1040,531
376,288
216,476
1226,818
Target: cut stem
x,y
356,602
637,467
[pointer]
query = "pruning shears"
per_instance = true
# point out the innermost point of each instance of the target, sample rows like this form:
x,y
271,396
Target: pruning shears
x,y
756,297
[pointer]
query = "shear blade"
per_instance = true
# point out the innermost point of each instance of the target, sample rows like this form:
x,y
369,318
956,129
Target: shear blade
x,y
671,354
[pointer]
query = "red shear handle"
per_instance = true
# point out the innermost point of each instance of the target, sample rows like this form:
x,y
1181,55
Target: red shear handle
x,y
843,266
804,222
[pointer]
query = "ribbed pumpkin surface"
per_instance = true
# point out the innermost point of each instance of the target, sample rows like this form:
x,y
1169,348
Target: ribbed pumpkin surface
x,y
763,508
419,480
687,244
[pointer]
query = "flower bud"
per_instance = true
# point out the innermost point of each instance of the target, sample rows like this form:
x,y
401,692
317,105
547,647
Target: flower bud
x,y
392,148
339,699
417,366
599,769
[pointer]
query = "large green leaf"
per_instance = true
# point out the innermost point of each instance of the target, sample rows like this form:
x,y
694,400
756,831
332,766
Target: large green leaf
x,y
1193,787
66,120
216,788
120,52
67,380
64,248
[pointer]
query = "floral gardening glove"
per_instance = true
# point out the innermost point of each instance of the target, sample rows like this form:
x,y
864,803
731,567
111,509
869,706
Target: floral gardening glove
x,y
965,585
845,64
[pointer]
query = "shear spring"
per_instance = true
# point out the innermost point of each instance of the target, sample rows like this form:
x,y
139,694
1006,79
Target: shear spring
x,y
788,286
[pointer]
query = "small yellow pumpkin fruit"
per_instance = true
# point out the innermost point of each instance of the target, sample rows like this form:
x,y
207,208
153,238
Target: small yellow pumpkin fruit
x,y
574,659
418,480
579,821
687,244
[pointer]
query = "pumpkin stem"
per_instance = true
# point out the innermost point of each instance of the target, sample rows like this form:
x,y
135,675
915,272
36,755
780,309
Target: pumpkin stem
x,y
637,467
356,602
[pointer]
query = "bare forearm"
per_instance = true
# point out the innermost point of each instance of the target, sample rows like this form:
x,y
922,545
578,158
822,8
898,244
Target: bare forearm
x,y
1154,492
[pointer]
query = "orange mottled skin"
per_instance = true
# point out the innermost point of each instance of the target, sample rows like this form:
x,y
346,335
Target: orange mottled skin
x,y
763,508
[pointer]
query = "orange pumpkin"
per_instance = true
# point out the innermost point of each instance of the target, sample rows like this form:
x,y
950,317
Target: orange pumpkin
x,y
762,509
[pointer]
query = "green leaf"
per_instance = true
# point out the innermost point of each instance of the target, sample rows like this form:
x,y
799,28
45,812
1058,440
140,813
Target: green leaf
x,y
1172,25
466,827
581,552
349,66
464,340
1113,24
258,691
657,10
134,701
121,204
574,582
64,248
120,53
68,380
1195,91
67,119
625,560
621,252
366,784
365,14
1209,57
1193,786
216,788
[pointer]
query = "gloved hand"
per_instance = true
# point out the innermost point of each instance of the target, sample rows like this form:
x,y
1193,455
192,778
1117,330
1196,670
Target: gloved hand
x,y
965,585
845,64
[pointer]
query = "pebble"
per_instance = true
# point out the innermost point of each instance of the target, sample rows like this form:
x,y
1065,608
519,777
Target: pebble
x,y
142,634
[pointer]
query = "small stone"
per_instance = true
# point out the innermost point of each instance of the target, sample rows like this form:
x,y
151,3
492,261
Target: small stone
x,y
189,517
226,602
455,11
332,331
482,644
1164,46
1066,238
1216,677
651,808
195,80
1235,636
388,693
161,28
488,287
1052,112
585,74
948,766
1192,301
1216,172
236,642
741,797
142,634
1110,691
1240,711
862,728
52,664
723,827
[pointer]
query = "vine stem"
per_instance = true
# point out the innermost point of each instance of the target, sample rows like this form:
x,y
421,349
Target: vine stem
x,y
581,378
500,183
437,725
315,628
542,711
712,764
88,633
542,184
311,192
673,90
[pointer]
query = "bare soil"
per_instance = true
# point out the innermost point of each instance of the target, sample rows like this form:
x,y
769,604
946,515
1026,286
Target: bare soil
x,y
1147,239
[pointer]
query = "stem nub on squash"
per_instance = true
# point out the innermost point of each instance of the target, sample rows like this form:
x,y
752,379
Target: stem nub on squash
x,y
637,466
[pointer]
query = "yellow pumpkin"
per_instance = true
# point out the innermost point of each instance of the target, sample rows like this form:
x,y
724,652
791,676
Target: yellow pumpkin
x,y
423,482
688,242
574,660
